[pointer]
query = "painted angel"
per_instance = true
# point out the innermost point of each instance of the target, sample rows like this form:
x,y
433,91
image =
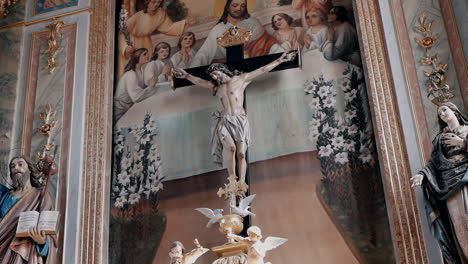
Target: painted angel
x,y
256,248
178,255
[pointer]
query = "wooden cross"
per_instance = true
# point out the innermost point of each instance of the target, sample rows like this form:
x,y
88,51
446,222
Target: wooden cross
x,y
235,61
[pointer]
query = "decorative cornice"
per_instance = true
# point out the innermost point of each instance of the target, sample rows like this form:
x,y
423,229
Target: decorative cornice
x,y
22,23
94,219
404,219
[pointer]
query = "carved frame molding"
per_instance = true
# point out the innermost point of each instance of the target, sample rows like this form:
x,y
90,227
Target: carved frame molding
x,y
404,219
97,149
408,242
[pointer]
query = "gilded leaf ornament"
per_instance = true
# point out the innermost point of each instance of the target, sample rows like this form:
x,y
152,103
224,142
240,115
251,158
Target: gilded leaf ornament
x,y
4,6
438,90
53,40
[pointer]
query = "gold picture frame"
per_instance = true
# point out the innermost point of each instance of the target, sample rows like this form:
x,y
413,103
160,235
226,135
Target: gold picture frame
x,y
403,213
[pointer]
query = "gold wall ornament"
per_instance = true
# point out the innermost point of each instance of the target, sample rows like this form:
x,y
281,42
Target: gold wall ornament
x,y
4,6
53,41
438,89
46,129
49,120
232,190
234,36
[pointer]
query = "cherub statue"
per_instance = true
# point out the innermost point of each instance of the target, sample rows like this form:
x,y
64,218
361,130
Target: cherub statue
x,y
177,253
256,248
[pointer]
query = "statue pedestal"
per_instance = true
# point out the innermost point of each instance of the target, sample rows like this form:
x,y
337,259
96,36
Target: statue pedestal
x,y
231,252
231,249
237,259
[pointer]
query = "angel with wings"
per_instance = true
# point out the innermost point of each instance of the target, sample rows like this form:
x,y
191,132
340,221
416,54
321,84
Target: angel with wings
x,y
256,248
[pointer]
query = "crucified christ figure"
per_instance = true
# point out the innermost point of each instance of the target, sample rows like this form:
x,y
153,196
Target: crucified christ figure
x,y
231,129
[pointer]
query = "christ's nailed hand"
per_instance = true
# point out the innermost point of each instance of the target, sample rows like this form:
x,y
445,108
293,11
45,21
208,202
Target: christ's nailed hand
x,y
180,73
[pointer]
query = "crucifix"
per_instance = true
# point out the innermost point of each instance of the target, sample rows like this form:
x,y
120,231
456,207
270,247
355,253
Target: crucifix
x,y
228,81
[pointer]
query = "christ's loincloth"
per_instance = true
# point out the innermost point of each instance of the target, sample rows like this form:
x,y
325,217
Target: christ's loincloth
x,y
237,126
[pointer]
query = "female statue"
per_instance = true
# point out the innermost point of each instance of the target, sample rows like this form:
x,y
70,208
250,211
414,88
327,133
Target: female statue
x,y
444,181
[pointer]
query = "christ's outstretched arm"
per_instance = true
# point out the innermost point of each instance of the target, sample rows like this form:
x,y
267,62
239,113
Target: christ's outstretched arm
x,y
182,74
270,66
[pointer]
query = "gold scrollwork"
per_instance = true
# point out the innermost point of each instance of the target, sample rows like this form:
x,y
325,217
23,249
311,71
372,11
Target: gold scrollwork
x,y
438,89
4,6
53,41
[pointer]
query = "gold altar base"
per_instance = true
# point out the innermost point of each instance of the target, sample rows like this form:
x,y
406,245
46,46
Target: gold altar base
x,y
231,249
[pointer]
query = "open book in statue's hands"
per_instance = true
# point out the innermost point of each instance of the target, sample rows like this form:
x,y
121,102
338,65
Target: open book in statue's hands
x,y
44,221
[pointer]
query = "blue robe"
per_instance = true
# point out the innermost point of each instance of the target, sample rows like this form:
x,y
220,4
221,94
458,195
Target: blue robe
x,y
442,178
7,200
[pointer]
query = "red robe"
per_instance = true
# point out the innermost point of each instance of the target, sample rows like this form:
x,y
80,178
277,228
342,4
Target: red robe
x,y
260,46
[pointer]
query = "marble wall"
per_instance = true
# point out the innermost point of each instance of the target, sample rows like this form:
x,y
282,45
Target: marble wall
x,y
10,44
54,89
27,86
460,8
15,14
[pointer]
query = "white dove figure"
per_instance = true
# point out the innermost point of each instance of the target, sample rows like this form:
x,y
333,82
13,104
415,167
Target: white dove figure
x,y
244,206
213,215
